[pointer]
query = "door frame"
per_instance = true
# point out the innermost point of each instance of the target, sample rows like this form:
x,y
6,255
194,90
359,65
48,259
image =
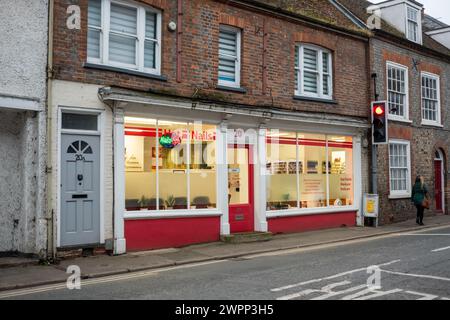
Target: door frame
x,y
441,159
101,124
251,180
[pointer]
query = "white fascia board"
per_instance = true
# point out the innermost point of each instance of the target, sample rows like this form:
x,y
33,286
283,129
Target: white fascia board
x,y
391,3
264,114
438,31
19,103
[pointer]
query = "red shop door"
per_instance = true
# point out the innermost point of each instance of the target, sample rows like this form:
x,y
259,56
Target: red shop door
x,y
240,188
438,185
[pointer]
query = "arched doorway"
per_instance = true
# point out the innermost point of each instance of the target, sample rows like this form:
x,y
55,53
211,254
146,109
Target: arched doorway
x,y
439,181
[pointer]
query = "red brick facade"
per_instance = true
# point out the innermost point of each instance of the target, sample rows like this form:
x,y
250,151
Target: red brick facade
x,y
199,57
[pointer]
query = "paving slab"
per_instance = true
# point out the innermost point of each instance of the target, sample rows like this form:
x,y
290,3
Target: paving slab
x,y
9,262
30,276
100,266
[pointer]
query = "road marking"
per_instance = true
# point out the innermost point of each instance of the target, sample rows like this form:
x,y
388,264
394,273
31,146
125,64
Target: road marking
x,y
425,296
338,293
427,234
109,279
378,294
441,249
330,277
416,275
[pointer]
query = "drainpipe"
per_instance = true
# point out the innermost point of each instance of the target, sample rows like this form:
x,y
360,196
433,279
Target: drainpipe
x,y
179,39
51,243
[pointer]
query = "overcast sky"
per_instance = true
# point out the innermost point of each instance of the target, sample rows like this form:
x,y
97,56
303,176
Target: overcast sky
x,y
439,9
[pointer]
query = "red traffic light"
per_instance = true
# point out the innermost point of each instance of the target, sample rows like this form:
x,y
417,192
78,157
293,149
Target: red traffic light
x,y
379,110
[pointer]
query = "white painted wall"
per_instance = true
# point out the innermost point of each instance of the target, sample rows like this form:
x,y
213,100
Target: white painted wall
x,y
81,96
23,62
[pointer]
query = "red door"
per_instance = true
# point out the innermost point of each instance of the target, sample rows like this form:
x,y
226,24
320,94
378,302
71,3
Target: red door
x,y
240,188
438,185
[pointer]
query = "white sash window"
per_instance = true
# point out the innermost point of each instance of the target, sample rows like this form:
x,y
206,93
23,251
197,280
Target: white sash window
x,y
124,35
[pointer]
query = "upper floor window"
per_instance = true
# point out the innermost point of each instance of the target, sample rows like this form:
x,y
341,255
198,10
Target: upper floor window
x,y
397,87
124,35
431,109
230,56
313,66
412,24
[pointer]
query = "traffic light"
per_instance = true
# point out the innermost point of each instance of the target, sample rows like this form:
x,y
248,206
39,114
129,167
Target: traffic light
x,y
379,123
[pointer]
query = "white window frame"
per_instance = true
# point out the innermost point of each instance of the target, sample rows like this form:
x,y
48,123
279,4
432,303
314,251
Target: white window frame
x,y
405,117
418,23
400,194
438,108
299,69
141,38
237,69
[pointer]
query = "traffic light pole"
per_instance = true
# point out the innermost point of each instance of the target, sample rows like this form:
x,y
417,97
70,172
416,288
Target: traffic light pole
x,y
374,146
374,169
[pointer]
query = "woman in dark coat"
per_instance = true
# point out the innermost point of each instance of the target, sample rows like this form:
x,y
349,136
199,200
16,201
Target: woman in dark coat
x,y
419,193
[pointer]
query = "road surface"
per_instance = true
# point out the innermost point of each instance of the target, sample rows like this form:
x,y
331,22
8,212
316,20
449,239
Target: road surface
x,y
410,267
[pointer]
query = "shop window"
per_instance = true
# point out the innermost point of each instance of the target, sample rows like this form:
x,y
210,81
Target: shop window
x,y
124,35
282,167
169,165
340,164
313,178
308,171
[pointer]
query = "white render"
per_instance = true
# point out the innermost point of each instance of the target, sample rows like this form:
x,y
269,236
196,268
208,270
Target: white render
x,y
79,97
23,90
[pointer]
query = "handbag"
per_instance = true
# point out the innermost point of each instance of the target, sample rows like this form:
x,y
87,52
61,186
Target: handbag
x,y
426,203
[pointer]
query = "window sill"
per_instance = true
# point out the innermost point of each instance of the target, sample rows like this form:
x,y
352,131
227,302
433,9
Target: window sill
x,y
400,196
123,70
232,89
432,124
400,120
145,215
312,99
309,211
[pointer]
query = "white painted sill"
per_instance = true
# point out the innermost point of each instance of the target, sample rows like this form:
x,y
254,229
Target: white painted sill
x,y
400,196
431,124
309,212
170,214
391,118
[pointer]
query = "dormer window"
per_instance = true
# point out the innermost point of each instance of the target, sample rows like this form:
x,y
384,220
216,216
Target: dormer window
x,y
412,27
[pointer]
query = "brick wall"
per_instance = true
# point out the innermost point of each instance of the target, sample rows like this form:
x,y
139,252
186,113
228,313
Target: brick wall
x,y
424,139
201,22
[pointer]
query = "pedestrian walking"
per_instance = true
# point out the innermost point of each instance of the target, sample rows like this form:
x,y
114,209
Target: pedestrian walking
x,y
420,198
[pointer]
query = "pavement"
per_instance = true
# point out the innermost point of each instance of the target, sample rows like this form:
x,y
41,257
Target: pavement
x,y
27,274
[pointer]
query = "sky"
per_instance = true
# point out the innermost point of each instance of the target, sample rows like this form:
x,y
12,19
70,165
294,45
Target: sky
x,y
439,9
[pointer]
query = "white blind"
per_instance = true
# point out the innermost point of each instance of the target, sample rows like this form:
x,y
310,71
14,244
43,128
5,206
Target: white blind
x,y
123,19
227,56
94,28
122,39
310,75
150,40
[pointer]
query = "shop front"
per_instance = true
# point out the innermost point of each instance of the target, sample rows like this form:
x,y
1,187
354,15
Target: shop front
x,y
186,175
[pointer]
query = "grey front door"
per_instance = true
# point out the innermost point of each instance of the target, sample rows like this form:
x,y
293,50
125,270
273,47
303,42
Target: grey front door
x,y
80,190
